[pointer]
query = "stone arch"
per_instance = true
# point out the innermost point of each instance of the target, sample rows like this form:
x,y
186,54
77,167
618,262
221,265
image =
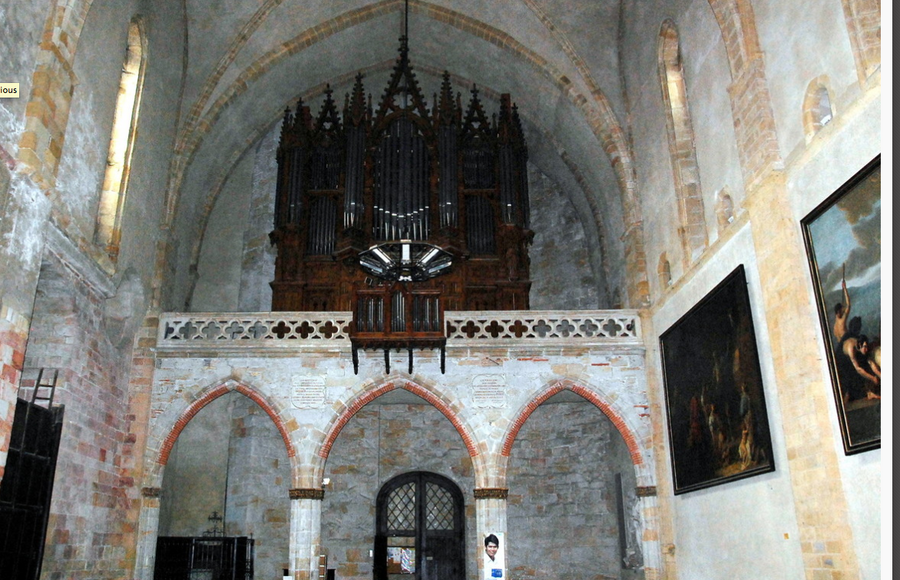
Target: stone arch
x,y
682,152
627,432
596,110
751,107
818,109
647,526
52,86
590,196
362,399
738,27
863,19
205,397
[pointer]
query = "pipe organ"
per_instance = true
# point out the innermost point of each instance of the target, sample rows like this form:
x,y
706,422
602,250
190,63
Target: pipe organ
x,y
449,178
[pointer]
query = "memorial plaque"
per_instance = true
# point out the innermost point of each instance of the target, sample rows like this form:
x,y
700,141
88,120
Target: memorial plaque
x,y
489,391
308,392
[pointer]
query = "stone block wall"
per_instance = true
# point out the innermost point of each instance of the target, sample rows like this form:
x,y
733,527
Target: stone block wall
x,y
561,268
377,444
87,526
563,516
257,502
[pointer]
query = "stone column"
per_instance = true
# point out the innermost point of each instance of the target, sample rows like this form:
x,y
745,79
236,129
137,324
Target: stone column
x,y
148,531
652,553
306,532
490,518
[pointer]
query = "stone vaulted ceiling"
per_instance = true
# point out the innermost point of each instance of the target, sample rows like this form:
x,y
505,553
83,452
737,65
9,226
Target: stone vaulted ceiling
x,y
246,60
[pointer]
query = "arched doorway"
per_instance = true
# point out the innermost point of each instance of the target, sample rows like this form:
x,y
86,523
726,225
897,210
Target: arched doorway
x,y
419,529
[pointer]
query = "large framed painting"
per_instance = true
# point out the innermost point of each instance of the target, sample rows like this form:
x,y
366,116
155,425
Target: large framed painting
x,y
715,403
843,242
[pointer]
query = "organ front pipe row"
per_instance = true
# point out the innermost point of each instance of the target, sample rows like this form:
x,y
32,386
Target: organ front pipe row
x,y
450,177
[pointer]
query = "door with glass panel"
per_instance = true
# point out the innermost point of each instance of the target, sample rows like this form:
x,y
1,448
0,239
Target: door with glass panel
x,y
419,529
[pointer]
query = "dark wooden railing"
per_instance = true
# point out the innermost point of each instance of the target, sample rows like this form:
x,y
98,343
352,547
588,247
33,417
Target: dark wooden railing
x,y
397,317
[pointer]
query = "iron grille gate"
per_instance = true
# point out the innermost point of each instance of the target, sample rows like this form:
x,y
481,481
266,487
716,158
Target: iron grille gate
x,y
419,529
28,480
203,558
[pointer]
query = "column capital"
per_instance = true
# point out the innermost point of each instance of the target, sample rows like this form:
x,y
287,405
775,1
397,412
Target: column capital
x,y
150,492
307,493
646,491
491,493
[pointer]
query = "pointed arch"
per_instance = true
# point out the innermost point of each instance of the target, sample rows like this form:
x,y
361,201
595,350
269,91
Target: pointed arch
x,y
596,110
47,112
628,434
863,19
212,393
364,398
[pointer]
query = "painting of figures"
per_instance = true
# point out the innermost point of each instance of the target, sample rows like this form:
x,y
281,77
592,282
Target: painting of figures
x,y
843,240
715,404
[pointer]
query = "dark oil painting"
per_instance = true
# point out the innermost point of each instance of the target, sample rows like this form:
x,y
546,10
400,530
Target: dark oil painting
x,y
843,240
715,404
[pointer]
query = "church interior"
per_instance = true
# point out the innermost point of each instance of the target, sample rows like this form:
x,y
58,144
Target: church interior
x,y
441,290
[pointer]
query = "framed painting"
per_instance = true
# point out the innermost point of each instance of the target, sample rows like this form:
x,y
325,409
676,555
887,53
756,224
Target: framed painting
x,y
715,403
843,242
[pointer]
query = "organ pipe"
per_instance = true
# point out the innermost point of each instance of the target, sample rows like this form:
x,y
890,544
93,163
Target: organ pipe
x,y
452,176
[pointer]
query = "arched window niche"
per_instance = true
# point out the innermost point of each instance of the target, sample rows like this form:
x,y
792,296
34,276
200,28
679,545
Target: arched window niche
x,y
683,154
108,232
817,108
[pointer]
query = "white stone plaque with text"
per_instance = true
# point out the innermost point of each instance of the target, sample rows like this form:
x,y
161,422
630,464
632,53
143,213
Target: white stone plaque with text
x,y
489,391
308,392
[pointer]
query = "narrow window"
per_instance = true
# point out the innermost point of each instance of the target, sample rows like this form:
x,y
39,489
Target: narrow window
x,y
680,131
118,160
817,111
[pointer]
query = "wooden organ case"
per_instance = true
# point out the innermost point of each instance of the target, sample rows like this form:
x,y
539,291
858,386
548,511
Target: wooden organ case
x,y
447,177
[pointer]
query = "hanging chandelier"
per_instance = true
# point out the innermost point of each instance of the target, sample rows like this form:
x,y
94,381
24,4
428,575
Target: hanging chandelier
x,y
405,261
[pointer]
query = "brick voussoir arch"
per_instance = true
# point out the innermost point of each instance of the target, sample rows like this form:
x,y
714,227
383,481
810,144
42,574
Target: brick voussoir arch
x,y
368,396
210,394
631,440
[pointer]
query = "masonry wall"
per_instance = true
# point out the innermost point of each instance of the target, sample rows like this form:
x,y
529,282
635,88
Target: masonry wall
x,y
710,537
379,443
563,513
87,519
854,139
21,25
747,69
461,434
258,479
80,317
563,276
